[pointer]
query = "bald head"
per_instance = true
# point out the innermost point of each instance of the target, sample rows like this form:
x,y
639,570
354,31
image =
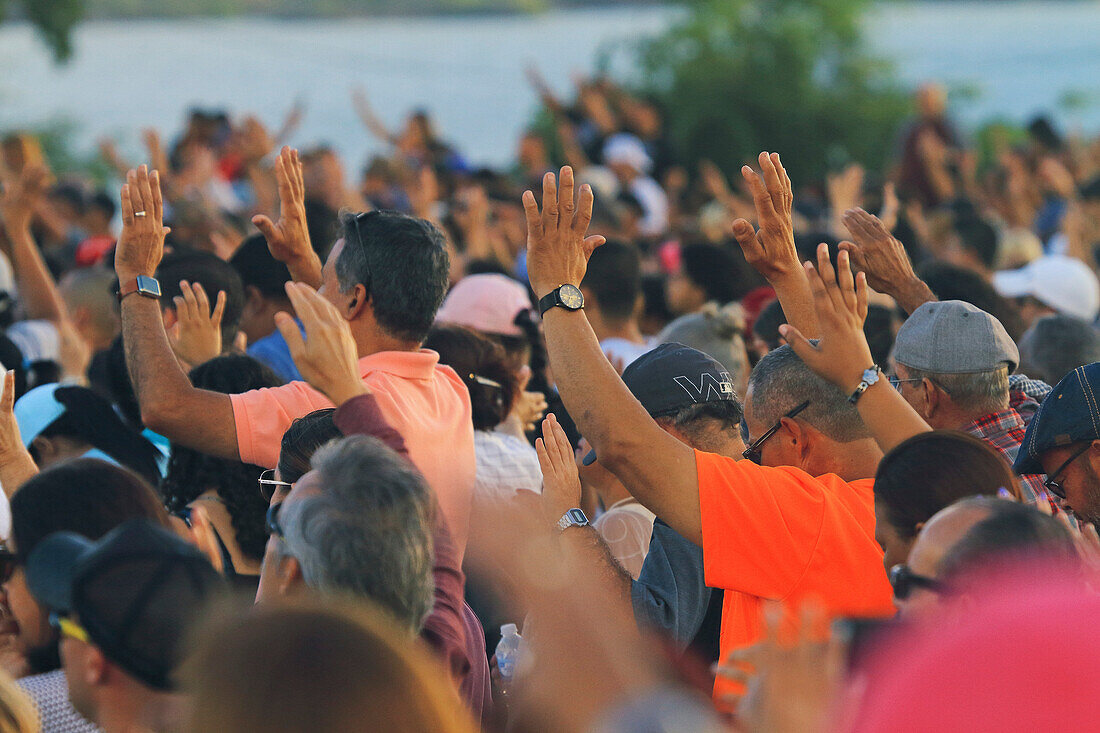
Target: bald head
x,y
942,532
89,296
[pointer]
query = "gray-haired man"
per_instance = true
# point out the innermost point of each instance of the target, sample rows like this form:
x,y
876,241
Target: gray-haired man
x,y
953,361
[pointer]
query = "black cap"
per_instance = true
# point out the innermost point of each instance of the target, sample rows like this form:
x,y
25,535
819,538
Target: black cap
x,y
673,376
136,592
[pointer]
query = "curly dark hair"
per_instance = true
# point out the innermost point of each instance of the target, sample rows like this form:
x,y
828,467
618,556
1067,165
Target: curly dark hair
x,y
191,473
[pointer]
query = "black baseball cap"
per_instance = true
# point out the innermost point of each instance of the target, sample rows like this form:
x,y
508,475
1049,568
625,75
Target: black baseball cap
x,y
673,376
136,592
1069,414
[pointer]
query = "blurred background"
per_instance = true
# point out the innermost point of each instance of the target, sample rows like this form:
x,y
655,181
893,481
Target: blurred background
x,y
824,81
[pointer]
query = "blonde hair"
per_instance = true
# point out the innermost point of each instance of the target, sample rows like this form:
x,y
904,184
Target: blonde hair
x,y
17,711
304,666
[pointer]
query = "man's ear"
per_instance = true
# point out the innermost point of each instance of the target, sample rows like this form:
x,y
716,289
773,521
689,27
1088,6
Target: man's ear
x,y
94,666
358,302
931,398
799,436
43,447
289,575
168,315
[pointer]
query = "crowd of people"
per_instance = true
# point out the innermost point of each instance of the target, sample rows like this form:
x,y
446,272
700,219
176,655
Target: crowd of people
x,y
284,449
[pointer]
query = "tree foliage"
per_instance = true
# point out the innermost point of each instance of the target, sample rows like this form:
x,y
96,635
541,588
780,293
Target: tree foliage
x,y
793,76
54,20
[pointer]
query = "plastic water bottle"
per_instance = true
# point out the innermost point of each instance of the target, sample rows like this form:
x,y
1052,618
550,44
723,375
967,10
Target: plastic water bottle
x,y
508,651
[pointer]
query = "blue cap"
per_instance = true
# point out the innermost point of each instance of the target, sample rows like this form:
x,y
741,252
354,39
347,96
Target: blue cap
x,y
673,376
37,410
1069,414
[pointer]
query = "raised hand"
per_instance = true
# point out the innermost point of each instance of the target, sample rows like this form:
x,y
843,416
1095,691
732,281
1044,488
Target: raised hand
x,y
845,189
22,196
288,239
141,244
883,258
197,336
557,246
327,356
841,353
770,250
561,482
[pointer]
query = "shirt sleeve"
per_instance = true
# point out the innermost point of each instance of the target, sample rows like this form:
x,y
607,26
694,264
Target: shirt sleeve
x,y
263,415
761,525
671,592
362,416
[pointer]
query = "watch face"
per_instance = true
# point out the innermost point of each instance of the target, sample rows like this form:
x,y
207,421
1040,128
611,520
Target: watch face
x,y
148,286
577,516
571,297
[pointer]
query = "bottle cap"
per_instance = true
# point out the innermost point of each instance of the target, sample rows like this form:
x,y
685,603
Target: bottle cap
x,y
508,630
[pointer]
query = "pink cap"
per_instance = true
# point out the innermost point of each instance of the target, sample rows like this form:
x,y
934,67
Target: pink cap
x,y
488,303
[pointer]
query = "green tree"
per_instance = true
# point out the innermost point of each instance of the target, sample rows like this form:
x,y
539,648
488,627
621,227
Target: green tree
x,y
54,20
793,76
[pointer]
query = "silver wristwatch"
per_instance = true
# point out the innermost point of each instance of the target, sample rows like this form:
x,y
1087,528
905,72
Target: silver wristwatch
x,y
572,518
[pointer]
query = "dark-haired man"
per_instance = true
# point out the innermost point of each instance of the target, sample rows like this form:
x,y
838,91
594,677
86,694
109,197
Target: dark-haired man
x,y
612,290
386,275
264,279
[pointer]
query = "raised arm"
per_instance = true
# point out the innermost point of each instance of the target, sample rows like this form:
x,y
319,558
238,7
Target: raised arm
x,y
659,468
771,250
288,239
37,289
368,117
170,405
883,259
842,354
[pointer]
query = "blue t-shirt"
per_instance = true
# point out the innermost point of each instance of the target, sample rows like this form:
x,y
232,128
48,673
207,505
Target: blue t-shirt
x,y
273,351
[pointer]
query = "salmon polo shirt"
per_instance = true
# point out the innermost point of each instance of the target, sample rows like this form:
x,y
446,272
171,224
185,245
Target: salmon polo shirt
x,y
420,398
782,534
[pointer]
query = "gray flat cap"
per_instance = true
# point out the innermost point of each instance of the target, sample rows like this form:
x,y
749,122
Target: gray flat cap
x,y
953,337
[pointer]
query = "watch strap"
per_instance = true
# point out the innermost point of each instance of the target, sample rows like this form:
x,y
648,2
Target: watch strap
x,y
572,518
550,300
143,285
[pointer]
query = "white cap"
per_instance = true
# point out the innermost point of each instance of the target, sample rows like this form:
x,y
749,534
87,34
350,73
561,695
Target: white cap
x,y
628,150
1063,283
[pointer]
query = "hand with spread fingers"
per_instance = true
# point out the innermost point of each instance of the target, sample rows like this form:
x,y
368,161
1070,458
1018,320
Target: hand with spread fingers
x,y
288,239
197,337
327,355
841,353
141,244
558,247
561,481
883,258
22,196
770,249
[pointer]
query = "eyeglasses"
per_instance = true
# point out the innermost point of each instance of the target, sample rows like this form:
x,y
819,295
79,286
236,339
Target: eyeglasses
x,y
269,484
897,381
752,453
903,581
9,561
272,522
1052,484
68,627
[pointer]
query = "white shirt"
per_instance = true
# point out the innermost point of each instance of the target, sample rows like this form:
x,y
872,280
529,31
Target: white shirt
x,y
505,464
620,351
654,204
627,527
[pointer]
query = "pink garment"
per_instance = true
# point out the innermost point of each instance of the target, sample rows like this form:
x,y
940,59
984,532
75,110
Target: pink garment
x,y
421,399
488,303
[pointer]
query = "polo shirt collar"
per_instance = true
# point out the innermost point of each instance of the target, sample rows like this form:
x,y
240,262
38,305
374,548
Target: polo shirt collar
x,y
407,364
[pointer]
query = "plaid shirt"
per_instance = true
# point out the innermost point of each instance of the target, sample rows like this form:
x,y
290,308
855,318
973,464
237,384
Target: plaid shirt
x,y
1005,432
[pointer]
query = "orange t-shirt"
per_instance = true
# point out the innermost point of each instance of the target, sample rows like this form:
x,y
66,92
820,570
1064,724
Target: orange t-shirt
x,y
782,534
420,398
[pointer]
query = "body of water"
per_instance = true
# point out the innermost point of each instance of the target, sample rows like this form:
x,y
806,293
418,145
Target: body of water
x,y
1018,58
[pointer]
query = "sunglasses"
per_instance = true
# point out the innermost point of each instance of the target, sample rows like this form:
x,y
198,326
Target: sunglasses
x,y
9,561
904,581
67,627
752,453
272,525
1052,484
269,484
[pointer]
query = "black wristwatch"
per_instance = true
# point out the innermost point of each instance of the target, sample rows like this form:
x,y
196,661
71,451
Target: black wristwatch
x,y
564,296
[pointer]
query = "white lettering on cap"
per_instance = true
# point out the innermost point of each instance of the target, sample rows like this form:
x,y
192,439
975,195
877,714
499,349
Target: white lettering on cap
x,y
709,389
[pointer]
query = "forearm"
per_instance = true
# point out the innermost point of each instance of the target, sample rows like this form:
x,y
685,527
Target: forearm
x,y
170,405
888,416
659,468
306,269
16,470
587,544
912,295
797,301
37,289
